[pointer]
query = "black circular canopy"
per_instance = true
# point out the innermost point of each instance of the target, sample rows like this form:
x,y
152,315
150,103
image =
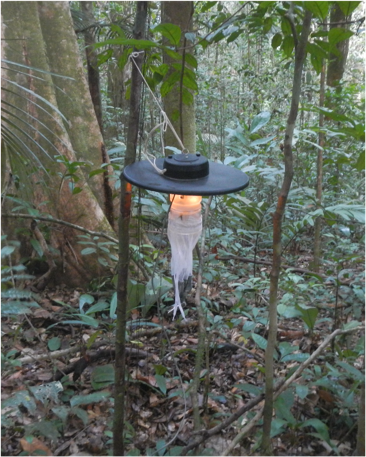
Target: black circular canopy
x,y
186,174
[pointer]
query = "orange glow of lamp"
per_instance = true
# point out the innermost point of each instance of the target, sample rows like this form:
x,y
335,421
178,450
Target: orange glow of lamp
x,y
186,177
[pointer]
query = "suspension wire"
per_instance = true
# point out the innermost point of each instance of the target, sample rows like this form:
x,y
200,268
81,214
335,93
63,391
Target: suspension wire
x,y
166,121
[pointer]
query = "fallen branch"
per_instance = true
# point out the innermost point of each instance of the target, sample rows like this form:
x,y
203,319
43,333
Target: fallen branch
x,y
90,357
213,431
72,350
277,392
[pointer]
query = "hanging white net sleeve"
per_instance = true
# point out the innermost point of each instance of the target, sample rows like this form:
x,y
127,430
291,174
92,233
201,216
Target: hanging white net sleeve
x,y
184,230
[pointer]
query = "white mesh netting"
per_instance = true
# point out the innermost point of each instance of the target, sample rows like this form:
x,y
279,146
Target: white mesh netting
x,y
184,230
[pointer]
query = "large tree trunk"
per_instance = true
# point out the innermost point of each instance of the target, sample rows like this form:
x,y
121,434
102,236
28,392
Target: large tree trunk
x,y
181,115
337,63
92,63
40,35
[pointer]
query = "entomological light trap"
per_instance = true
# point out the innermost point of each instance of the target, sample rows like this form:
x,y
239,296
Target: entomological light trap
x,y
187,178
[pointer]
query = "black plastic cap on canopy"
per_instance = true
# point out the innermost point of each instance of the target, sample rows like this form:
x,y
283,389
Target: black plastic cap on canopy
x,y
186,174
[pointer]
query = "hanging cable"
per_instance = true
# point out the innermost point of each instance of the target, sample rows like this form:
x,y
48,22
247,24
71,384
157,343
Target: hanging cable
x,y
166,121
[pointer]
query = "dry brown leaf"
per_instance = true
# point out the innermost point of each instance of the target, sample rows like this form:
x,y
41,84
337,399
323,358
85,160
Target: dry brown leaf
x,y
34,446
42,313
154,400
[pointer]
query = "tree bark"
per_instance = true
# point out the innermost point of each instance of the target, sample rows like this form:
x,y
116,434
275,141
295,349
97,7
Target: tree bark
x,y
300,54
181,115
74,98
337,63
26,28
92,63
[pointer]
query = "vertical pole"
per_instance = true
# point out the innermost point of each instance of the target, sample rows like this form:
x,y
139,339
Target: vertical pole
x,y
123,248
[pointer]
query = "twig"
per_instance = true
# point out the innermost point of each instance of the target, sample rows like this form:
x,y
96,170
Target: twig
x,y
213,431
242,348
279,389
361,21
243,432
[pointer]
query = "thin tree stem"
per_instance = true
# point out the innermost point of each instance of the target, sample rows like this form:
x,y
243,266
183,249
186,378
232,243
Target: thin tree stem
x,y
201,327
123,235
300,55
319,175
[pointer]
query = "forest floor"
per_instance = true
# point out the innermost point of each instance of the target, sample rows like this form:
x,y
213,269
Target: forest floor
x,y
44,417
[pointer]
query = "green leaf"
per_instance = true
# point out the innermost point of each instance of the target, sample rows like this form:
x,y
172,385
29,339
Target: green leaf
x,y
95,397
308,315
7,250
302,391
348,212
172,54
15,307
76,190
191,60
189,82
283,406
319,426
207,5
170,31
360,164
319,9
288,45
259,340
88,251
160,369
161,447
100,306
85,298
45,428
338,34
81,413
102,376
174,451
348,7
276,40
259,121
62,412
22,397
169,83
187,97
250,388
161,382
134,452
112,311
54,343
37,247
